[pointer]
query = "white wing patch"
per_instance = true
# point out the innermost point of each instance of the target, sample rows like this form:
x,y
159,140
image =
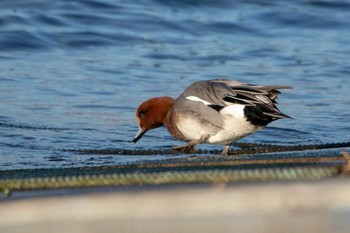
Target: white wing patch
x,y
235,110
197,99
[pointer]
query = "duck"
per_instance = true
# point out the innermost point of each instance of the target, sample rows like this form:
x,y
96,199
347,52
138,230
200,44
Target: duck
x,y
218,111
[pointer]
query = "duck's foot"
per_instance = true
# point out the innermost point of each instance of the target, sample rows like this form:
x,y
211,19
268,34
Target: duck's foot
x,y
186,149
190,147
225,151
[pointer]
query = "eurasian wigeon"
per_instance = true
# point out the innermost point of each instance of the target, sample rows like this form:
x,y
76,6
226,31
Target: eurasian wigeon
x,y
215,111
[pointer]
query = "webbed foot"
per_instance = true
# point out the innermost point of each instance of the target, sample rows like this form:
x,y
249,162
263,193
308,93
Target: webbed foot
x,y
186,149
190,147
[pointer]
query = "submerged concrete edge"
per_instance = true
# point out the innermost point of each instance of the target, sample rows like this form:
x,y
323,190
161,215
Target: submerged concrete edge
x,y
318,206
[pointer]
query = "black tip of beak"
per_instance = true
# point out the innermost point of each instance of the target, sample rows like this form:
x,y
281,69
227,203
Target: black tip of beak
x,y
139,135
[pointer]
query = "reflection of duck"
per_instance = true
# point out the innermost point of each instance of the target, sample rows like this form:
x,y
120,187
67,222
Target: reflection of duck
x,y
214,111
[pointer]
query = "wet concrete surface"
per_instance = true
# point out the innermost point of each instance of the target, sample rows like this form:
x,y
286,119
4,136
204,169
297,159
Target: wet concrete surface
x,y
317,206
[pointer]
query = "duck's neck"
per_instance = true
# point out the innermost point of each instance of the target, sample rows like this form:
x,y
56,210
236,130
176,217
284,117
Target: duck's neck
x,y
162,107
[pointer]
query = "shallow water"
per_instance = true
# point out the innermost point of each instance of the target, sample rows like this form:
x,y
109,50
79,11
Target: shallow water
x,y
73,72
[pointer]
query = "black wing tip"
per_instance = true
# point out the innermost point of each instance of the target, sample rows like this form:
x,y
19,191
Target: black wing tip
x,y
262,115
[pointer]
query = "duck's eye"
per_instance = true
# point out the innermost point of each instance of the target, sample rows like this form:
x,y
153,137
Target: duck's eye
x,y
142,113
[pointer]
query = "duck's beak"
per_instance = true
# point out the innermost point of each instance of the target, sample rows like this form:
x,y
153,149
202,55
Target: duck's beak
x,y
139,135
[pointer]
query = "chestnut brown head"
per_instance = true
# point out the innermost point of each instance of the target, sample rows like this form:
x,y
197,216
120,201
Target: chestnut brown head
x,y
151,114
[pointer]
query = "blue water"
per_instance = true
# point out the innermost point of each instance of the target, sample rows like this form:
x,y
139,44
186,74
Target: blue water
x,y
73,72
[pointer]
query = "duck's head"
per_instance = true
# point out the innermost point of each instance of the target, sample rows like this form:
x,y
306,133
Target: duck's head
x,y
151,114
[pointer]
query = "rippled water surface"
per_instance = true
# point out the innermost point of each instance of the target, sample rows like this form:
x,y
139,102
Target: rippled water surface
x,y
73,72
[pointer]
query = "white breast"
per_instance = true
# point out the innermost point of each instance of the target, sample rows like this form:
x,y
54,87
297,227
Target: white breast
x,y
191,129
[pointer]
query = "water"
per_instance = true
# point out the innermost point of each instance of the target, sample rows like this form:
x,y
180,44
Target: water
x,y
73,72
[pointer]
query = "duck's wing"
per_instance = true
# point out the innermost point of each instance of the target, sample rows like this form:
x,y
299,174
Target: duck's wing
x,y
220,93
246,94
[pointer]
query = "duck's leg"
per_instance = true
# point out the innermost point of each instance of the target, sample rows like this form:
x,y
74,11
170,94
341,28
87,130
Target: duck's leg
x,y
225,151
190,147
